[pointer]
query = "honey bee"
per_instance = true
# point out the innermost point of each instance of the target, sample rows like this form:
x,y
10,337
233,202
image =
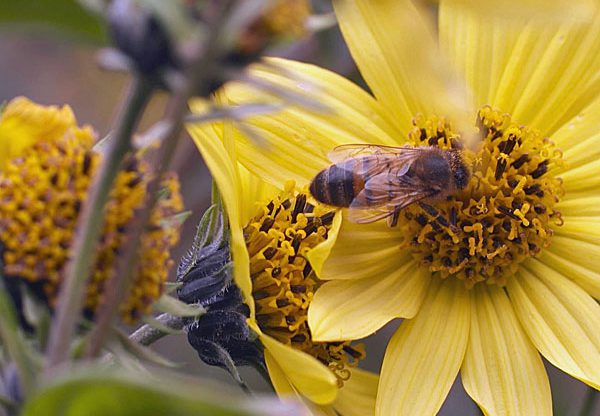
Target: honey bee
x,y
377,182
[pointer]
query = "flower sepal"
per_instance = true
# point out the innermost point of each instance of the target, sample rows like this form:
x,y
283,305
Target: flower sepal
x,y
221,336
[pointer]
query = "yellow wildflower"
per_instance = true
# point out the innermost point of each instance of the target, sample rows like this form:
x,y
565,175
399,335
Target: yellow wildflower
x,y
44,177
272,232
498,273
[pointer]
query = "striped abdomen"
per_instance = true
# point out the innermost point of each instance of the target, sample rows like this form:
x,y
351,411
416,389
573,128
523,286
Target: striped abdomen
x,y
338,184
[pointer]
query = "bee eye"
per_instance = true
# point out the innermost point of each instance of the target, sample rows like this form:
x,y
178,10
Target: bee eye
x,y
461,176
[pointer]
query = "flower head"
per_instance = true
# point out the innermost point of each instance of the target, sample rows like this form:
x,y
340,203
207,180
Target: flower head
x,y
220,336
500,271
272,232
44,179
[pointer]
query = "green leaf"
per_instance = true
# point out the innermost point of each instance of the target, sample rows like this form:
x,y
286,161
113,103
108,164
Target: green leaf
x,y
66,16
13,340
94,391
176,220
37,315
170,287
142,352
175,307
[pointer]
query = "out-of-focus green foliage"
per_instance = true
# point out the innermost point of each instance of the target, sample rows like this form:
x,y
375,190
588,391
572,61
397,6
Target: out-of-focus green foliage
x,y
67,17
96,392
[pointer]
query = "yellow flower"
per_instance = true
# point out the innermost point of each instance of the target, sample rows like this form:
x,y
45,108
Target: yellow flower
x,y
500,272
46,166
272,230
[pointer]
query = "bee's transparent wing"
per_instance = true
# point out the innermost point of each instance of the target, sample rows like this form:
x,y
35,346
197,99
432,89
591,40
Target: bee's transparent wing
x,y
385,194
368,160
365,216
348,151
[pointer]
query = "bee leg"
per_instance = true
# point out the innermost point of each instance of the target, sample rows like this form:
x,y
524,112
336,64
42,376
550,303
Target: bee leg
x,y
392,220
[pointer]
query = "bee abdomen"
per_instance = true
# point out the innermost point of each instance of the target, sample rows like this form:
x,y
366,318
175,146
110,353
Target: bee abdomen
x,y
335,186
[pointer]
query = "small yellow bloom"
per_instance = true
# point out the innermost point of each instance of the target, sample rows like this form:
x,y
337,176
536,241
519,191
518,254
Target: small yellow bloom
x,y
278,20
272,232
22,124
44,178
500,272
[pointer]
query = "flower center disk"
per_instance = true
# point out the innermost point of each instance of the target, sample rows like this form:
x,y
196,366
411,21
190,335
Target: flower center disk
x,y
41,194
503,215
283,282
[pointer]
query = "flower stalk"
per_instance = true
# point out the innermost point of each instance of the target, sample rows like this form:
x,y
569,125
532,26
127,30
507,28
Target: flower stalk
x,y
203,66
589,403
10,338
79,267
147,334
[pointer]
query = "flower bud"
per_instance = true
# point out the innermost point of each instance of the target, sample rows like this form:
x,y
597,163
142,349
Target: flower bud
x,y
221,336
140,36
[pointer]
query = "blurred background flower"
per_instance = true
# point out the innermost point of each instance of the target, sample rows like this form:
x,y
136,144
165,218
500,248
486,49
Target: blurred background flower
x,y
48,162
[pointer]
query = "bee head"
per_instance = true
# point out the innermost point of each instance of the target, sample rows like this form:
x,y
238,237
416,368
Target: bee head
x,y
460,171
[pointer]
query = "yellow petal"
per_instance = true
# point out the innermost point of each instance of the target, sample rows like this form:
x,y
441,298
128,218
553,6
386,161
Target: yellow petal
x,y
579,150
284,389
581,228
23,122
588,206
476,52
579,137
587,279
319,254
354,309
297,140
562,80
539,9
278,378
582,178
560,318
394,47
307,375
580,252
362,251
542,72
224,172
357,396
256,194
424,356
502,370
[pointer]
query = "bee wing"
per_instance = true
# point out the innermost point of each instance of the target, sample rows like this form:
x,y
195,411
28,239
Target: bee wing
x,y
365,216
371,159
347,151
385,194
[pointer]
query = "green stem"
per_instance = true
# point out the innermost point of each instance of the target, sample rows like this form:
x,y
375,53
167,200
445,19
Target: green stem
x,y
147,335
13,341
203,67
589,403
90,224
8,404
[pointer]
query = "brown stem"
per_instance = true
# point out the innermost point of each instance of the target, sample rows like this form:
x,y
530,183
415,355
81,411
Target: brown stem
x,y
589,402
205,58
91,220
